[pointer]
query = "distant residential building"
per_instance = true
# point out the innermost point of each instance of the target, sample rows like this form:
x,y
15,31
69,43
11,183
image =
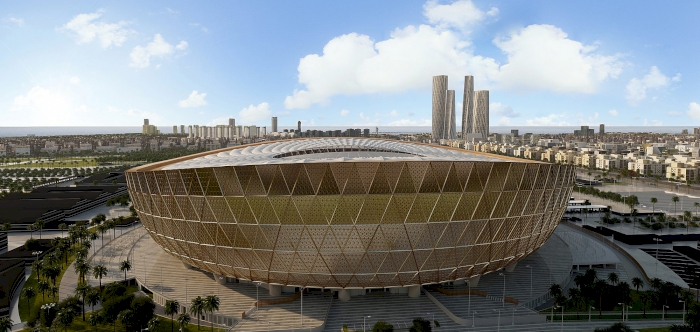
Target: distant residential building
x,y
273,126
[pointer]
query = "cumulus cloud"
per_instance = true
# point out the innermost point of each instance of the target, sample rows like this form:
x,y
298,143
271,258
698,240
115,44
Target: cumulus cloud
x,y
612,112
195,99
14,20
87,27
654,80
201,27
141,55
540,57
503,110
344,112
253,113
548,120
693,111
462,14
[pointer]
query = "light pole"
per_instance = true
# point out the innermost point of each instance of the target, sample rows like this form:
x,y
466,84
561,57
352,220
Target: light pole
x,y
499,318
504,289
530,267
657,240
257,298
301,295
589,312
623,311
473,317
364,320
469,306
683,310
663,312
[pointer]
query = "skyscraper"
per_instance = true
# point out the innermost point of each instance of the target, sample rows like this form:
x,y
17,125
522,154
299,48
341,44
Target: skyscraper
x,y
601,131
274,124
468,107
232,122
299,126
450,131
439,105
481,113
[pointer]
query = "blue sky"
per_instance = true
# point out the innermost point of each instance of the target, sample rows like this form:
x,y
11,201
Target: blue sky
x,y
353,63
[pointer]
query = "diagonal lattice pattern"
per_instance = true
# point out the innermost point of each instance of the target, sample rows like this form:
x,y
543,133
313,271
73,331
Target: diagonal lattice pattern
x,y
353,224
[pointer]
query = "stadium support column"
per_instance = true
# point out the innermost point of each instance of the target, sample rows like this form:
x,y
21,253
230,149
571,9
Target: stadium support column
x,y
414,291
474,281
511,267
275,290
344,295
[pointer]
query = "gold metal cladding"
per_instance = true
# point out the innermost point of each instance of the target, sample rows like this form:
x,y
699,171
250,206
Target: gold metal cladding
x,y
352,224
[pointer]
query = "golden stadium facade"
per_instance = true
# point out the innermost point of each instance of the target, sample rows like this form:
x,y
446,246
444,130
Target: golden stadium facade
x,y
349,212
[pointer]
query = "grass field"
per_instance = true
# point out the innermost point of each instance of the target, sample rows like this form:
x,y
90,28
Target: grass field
x,y
55,163
24,306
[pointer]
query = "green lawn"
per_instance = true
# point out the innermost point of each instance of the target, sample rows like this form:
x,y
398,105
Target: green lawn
x,y
79,325
24,306
655,329
71,163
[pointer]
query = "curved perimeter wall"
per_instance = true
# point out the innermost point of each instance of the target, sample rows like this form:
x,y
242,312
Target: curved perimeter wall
x,y
353,224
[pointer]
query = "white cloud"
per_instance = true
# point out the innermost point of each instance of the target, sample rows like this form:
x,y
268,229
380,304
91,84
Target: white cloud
x,y
344,112
194,100
86,28
15,20
462,14
201,27
652,122
548,120
613,112
74,80
141,55
542,57
674,113
253,113
394,113
503,110
409,122
654,80
693,111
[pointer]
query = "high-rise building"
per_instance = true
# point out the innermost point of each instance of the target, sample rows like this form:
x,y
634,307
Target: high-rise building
x,y
439,105
182,129
468,107
450,131
274,124
174,129
601,131
481,113
299,126
145,122
232,122
514,132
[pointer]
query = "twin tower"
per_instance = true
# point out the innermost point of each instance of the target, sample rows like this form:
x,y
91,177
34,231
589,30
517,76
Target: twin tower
x,y
475,110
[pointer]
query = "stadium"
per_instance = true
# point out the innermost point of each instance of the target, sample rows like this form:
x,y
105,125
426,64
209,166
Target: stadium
x,y
349,213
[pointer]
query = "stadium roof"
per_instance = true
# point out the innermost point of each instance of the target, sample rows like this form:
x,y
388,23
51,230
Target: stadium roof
x,y
330,150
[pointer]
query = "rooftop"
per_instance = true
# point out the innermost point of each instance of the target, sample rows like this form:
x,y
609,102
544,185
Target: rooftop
x,y
330,150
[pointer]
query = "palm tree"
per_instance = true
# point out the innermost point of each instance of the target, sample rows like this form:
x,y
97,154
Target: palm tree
x,y
40,225
183,320
82,268
82,291
5,324
125,266
613,278
599,288
211,304
62,227
43,286
53,290
98,272
6,227
92,299
126,317
95,319
197,308
171,308
29,293
30,228
675,200
153,324
575,296
646,298
637,282
555,293
102,228
696,205
653,204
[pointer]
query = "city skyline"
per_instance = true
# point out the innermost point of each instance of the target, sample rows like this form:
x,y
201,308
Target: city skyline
x,y
90,65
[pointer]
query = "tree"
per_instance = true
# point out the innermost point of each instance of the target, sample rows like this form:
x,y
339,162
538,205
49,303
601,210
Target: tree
x,y
62,227
52,272
653,205
126,317
197,308
675,200
39,224
82,268
599,288
211,304
555,293
6,227
5,324
95,319
98,272
382,326
184,319
29,293
696,205
647,298
92,298
613,278
171,308
420,325
617,327
153,324
693,316
82,290
143,308
64,318
43,286
637,282
53,290
125,266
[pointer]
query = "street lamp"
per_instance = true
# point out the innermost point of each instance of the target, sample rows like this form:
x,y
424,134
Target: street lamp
x,y
257,298
589,312
499,318
623,311
301,295
364,320
683,309
469,306
657,240
504,289
663,312
530,267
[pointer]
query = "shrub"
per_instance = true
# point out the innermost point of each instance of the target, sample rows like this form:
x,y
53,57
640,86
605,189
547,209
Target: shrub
x,y
113,290
671,225
657,226
382,326
32,244
617,327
